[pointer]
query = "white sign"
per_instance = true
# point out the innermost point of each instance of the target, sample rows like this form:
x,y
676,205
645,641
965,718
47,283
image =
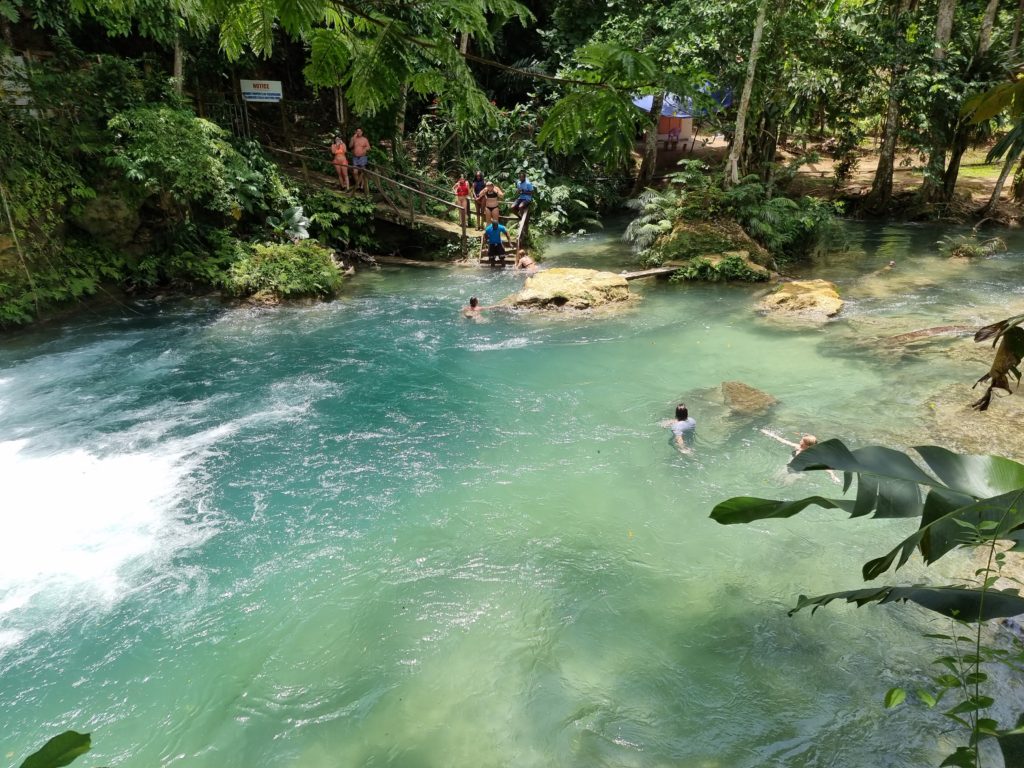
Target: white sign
x,y
261,90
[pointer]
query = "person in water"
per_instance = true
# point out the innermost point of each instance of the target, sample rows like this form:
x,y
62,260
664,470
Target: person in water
x,y
806,441
473,309
683,427
340,162
478,187
525,261
491,197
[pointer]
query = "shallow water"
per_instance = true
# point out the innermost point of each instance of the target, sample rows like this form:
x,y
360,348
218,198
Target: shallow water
x,y
373,533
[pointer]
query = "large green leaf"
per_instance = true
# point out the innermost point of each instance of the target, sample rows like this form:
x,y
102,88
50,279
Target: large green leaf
x,y
747,509
59,751
977,476
958,602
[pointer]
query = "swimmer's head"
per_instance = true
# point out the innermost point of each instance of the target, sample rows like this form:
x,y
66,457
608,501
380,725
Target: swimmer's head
x,y
521,252
807,441
892,263
682,413
473,302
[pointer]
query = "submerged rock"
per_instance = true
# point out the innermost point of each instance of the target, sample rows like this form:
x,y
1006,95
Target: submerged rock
x,y
746,400
574,288
952,423
816,300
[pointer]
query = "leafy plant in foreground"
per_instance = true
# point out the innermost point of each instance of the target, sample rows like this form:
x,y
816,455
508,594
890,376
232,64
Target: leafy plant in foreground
x,y
59,751
962,501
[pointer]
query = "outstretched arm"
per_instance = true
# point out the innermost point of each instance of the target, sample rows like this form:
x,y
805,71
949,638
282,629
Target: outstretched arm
x,y
778,437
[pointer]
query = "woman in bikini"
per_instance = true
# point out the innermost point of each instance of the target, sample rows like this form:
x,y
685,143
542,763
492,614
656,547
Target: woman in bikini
x,y
340,161
490,197
461,190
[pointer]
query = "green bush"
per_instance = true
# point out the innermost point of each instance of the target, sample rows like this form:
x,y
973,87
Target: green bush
x,y
285,271
788,228
193,163
730,268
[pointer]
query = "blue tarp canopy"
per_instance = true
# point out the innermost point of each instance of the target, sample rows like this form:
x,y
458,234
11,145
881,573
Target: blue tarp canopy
x,y
682,106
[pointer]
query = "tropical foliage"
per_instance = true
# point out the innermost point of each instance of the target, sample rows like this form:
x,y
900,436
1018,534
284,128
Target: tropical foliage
x,y
960,501
284,271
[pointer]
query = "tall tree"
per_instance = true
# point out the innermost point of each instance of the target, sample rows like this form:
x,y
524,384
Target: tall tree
x,y
732,163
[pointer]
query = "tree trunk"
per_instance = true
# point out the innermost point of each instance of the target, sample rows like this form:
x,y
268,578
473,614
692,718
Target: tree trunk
x,y
932,189
962,129
881,186
732,164
1015,40
997,193
650,159
179,64
398,145
987,22
8,36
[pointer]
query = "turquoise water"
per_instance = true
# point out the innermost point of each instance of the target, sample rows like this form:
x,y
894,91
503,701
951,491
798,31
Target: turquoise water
x,y
372,533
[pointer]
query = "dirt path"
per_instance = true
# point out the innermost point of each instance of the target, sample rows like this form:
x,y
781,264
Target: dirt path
x,y
976,178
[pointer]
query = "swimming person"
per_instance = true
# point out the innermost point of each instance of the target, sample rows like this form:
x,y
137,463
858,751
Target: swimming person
x,y
806,441
473,310
525,261
683,427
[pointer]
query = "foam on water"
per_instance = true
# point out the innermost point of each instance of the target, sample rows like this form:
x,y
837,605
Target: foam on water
x,y
85,527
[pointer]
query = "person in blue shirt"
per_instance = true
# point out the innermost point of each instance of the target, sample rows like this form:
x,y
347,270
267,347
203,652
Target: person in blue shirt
x,y
526,192
495,250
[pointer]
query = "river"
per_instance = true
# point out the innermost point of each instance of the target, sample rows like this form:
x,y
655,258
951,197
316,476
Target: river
x,y
371,533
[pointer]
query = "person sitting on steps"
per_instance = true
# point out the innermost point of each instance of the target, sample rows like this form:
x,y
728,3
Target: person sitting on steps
x,y
525,191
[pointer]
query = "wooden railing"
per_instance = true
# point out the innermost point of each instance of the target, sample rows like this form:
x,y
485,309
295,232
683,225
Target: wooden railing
x,y
409,198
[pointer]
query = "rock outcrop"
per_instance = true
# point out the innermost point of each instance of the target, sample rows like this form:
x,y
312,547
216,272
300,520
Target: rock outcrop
x,y
744,400
815,300
110,219
573,288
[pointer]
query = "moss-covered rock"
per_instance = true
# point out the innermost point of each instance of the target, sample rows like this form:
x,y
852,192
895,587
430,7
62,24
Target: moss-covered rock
x,y
745,400
703,238
733,266
284,271
815,300
573,288
110,218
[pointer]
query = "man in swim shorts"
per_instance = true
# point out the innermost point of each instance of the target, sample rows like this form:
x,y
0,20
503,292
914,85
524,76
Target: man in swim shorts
x,y
495,250
360,148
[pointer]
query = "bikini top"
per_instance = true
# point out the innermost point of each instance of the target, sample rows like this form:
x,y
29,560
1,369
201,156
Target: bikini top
x,y
492,193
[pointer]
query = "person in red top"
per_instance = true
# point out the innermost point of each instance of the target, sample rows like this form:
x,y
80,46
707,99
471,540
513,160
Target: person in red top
x,y
340,161
461,190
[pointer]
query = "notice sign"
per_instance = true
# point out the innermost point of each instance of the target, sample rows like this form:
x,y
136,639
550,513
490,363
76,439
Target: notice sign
x,y
261,90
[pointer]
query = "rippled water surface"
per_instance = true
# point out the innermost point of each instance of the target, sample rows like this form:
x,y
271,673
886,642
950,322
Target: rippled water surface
x,y
372,533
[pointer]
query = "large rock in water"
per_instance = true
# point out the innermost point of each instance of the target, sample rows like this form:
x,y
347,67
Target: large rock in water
x,y
745,400
803,299
575,288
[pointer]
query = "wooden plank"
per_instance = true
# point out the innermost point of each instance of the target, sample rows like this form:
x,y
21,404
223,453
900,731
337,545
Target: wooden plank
x,y
650,272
